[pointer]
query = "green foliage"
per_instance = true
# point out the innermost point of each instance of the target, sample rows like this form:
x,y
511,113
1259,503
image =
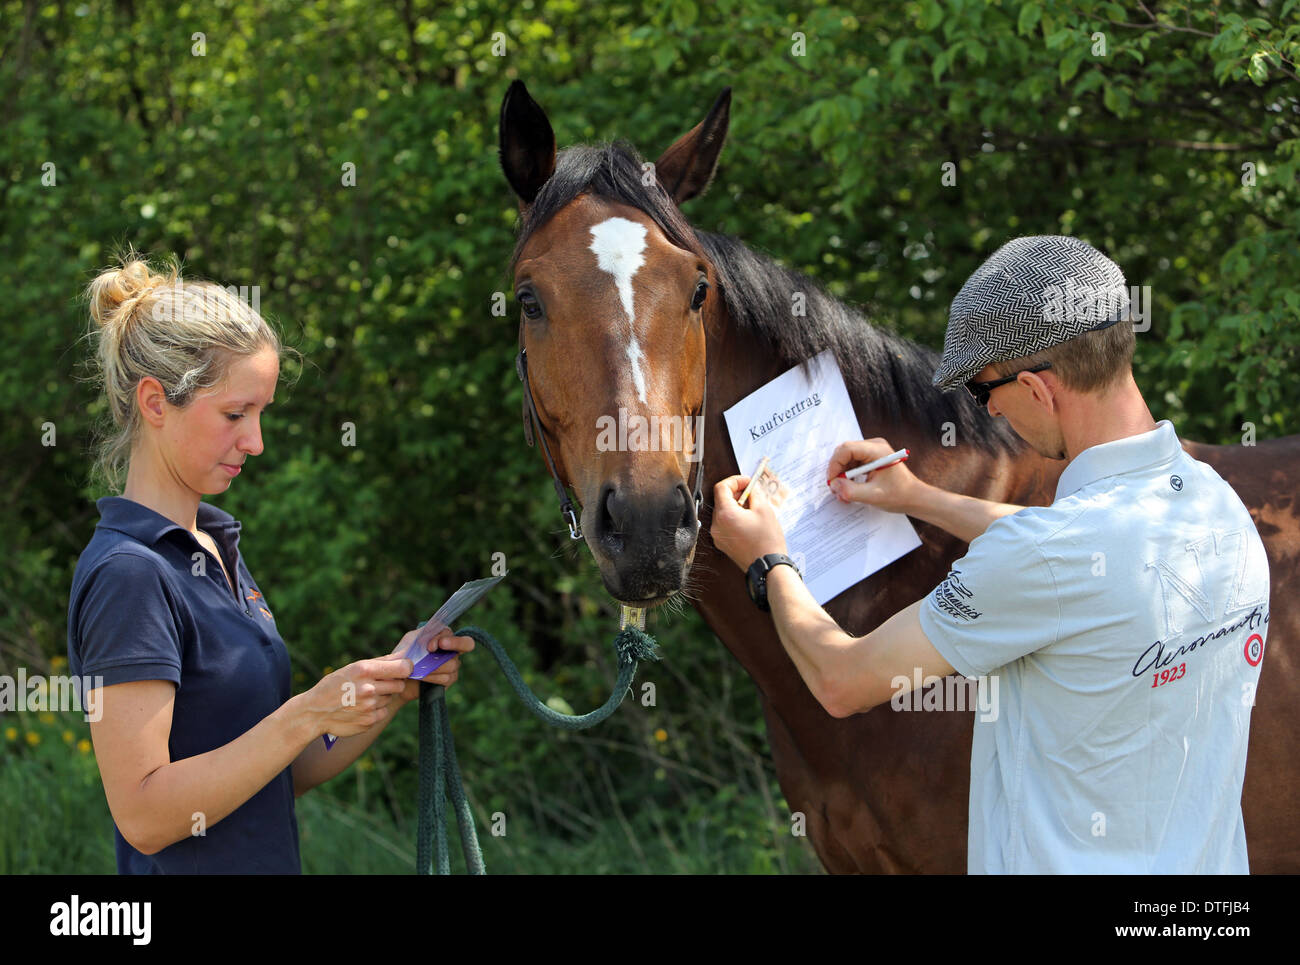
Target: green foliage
x,y
56,817
1083,118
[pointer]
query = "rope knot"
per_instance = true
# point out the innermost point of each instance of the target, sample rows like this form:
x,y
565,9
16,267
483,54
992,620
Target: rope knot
x,y
634,645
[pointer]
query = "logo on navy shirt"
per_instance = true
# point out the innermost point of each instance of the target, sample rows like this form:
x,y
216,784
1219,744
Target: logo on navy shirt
x,y
255,596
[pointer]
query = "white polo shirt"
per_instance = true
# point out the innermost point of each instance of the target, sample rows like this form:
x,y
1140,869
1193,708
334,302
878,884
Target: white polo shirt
x,y
1126,624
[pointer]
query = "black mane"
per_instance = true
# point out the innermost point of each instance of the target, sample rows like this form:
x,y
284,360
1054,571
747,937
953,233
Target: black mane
x,y
892,373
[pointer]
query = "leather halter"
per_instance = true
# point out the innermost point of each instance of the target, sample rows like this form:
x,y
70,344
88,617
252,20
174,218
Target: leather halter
x,y
566,505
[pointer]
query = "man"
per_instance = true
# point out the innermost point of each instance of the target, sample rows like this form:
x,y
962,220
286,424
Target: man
x,y
1125,622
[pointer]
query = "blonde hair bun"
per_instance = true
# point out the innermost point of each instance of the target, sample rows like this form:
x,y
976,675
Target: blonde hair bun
x,y
115,292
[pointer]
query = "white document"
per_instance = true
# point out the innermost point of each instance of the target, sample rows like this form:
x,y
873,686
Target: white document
x,y
797,423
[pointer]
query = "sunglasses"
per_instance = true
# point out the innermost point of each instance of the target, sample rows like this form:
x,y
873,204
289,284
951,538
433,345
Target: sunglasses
x,y
980,390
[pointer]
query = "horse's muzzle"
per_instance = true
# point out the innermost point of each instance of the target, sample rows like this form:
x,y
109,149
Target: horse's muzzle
x,y
643,541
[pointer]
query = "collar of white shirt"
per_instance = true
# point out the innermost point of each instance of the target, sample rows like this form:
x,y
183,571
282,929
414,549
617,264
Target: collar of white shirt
x,y
1160,445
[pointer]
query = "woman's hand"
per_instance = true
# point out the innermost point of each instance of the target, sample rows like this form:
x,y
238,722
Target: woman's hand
x,y
448,672
892,488
354,698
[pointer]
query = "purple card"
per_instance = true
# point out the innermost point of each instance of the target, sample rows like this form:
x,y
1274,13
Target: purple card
x,y
431,661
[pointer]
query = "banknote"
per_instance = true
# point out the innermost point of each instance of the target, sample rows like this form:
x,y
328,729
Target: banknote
x,y
774,489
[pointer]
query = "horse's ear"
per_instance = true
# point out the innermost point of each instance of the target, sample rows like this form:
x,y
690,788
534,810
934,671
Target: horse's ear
x,y
687,167
527,143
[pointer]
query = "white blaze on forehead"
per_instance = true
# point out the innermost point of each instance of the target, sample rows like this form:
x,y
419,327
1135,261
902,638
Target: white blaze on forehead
x,y
619,245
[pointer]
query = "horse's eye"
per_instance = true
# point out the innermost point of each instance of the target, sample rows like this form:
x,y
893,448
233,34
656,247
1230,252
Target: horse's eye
x,y
701,291
531,306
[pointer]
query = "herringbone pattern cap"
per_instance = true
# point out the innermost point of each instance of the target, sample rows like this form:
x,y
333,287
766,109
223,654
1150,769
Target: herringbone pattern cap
x,y
1032,293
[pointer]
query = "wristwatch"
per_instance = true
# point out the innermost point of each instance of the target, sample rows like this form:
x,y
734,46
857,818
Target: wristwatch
x,y
756,577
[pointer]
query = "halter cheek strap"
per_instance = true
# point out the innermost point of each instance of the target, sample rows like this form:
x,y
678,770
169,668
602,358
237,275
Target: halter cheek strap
x,y
566,505
530,415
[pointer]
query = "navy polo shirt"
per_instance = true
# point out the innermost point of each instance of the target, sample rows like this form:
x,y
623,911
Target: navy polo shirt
x,y
149,602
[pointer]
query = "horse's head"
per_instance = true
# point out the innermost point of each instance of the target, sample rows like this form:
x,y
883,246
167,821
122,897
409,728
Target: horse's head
x,y
614,292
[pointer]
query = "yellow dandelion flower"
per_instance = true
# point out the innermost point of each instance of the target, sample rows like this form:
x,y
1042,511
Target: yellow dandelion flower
x,y
661,735
33,738
68,737
58,662
83,745
45,717
11,733
367,764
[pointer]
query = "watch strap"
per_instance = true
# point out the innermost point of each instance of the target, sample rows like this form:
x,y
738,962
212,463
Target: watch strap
x,y
757,577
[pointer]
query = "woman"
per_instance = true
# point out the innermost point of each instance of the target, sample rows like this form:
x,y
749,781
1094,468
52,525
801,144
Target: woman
x,y
201,748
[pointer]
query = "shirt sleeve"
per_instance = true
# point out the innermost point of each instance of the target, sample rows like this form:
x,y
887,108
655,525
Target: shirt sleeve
x,y
127,628
999,601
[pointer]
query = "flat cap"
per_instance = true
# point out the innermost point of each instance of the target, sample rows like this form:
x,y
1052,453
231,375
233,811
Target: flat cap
x,y
1032,293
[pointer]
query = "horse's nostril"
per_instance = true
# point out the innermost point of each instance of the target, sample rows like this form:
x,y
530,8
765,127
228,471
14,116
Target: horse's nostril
x,y
608,507
688,510
610,516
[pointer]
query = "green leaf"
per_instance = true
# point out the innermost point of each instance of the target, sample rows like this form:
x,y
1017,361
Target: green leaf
x,y
902,81
1060,38
1070,65
1089,82
1230,41
1258,69
931,15
897,51
940,65
684,14
866,88
664,56
1116,99
1028,18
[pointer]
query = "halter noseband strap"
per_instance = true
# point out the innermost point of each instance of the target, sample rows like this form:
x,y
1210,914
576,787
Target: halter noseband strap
x,y
566,505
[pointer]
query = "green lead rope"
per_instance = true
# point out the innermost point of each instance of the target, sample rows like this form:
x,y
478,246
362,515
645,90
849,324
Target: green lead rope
x,y
439,771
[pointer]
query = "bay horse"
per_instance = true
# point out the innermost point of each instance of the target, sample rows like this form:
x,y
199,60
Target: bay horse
x,y
627,308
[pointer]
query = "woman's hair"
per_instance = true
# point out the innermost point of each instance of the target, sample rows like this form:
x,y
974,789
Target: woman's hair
x,y
186,334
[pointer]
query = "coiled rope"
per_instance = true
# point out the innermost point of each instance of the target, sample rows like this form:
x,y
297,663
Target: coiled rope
x,y
439,773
